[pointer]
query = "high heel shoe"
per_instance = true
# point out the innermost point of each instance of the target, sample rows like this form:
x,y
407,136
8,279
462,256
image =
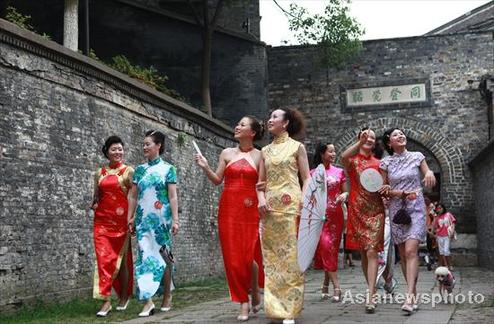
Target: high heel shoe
x,y
167,309
323,294
370,308
124,307
336,295
103,313
257,308
242,318
408,308
147,313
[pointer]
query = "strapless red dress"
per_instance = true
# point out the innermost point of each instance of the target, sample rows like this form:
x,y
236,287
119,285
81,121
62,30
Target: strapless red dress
x,y
238,227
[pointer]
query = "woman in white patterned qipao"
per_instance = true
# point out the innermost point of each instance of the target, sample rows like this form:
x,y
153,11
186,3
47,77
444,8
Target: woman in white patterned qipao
x,y
154,192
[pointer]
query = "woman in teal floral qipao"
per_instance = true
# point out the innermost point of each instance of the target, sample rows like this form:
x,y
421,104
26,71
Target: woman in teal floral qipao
x,y
155,219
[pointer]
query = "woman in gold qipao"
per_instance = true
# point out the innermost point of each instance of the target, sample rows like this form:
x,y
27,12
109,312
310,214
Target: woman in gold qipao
x,y
279,206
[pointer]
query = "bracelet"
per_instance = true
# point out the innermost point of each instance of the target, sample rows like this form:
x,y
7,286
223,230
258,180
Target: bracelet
x,y
403,194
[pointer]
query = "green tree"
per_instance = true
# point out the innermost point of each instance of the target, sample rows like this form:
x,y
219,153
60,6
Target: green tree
x,y
335,32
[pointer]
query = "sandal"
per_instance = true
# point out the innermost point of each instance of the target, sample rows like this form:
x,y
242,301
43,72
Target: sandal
x,y
336,295
407,308
370,308
323,294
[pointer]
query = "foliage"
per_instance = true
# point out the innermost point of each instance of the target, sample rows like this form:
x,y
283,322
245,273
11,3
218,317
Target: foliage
x,y
336,33
181,139
18,18
149,75
21,20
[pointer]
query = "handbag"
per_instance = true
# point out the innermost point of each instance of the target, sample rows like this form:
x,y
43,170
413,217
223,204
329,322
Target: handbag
x,y
402,217
166,255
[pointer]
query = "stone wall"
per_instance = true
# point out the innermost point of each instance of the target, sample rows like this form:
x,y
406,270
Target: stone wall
x,y
57,107
482,166
234,13
452,125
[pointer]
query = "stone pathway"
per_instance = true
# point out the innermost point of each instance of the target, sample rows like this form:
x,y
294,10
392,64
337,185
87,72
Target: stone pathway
x,y
318,311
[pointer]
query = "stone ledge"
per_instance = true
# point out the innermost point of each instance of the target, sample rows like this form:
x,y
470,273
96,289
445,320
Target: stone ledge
x,y
34,43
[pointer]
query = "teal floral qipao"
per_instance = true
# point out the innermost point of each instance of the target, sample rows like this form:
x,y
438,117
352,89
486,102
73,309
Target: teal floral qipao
x,y
153,222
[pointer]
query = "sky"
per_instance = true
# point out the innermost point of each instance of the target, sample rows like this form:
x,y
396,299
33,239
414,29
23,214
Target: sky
x,y
380,18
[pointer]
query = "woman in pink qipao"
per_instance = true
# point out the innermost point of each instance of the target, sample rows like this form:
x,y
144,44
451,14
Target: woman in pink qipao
x,y
326,257
238,216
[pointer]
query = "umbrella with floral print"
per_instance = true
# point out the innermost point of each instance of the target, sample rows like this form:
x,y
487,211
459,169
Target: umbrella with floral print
x,y
312,217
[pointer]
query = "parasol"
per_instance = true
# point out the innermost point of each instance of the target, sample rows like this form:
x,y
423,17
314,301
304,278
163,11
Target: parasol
x,y
312,217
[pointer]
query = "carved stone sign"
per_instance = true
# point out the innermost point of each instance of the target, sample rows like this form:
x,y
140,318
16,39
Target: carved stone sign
x,y
398,94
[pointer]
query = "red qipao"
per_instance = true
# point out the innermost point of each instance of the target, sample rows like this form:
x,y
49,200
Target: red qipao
x,y
365,225
111,236
326,256
238,226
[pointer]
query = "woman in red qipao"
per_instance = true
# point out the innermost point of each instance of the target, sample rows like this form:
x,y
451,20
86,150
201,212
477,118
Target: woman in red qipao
x,y
365,224
326,256
113,266
238,216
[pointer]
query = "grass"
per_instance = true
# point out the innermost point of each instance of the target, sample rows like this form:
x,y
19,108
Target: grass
x,y
84,310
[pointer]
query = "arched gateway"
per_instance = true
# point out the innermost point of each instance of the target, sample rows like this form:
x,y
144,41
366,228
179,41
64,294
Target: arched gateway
x,y
443,156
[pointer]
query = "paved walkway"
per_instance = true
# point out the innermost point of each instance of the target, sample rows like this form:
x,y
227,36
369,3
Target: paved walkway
x,y
318,311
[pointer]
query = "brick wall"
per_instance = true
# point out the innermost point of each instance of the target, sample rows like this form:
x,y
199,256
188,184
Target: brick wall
x,y
482,166
57,107
452,127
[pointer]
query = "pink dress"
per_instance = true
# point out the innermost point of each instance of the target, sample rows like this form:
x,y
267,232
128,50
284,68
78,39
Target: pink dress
x,y
326,256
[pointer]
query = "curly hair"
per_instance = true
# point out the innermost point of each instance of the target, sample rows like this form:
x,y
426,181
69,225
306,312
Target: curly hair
x,y
296,122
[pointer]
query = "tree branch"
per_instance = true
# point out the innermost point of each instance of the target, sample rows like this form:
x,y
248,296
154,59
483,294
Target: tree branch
x,y
217,12
196,14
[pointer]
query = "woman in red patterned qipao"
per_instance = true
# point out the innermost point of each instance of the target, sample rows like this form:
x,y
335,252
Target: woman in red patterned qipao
x,y
238,216
113,266
365,224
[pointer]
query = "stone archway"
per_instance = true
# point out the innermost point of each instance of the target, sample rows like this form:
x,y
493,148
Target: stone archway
x,y
456,186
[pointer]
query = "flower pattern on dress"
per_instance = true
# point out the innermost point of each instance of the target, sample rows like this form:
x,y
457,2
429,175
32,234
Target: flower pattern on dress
x,y
326,256
404,174
153,220
365,225
284,283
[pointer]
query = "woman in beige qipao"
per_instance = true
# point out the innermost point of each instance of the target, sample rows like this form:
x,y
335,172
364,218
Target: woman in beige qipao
x,y
279,207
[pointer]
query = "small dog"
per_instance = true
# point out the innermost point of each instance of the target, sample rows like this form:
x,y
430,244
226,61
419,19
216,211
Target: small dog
x,y
446,281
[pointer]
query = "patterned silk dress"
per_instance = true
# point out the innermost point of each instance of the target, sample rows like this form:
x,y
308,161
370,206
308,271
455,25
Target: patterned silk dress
x,y
153,221
404,174
365,225
111,236
326,256
238,227
284,283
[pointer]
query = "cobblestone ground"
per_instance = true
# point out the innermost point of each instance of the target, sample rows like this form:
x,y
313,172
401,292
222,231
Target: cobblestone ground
x,y
473,280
